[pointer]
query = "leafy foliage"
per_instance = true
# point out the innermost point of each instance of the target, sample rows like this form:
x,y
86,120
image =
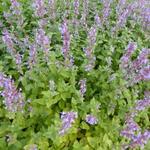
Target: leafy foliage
x,y
52,87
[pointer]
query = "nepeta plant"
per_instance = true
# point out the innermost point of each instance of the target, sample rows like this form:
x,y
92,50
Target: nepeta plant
x,y
13,99
74,74
132,131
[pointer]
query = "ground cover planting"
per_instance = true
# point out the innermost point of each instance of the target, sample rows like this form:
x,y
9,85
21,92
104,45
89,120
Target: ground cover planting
x,y
74,74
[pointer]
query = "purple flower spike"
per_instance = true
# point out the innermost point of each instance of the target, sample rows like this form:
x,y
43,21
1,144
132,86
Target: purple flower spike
x,y
129,50
39,7
67,119
52,8
15,7
106,11
142,59
43,42
145,73
85,13
132,130
66,38
142,104
82,86
98,21
32,55
13,99
92,120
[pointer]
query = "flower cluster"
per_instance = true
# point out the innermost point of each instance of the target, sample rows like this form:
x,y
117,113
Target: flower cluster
x,y
106,11
32,55
15,7
15,14
76,13
123,13
90,119
7,39
82,87
132,131
13,99
39,7
67,119
137,70
43,42
52,9
142,13
98,21
66,43
89,50
85,12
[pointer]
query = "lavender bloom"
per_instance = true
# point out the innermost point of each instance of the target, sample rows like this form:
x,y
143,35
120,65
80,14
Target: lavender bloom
x,y
76,13
129,50
132,130
15,7
85,13
42,23
121,5
92,36
90,64
145,73
98,21
147,94
13,99
15,13
67,119
92,120
52,9
142,104
43,41
7,39
123,16
89,51
140,140
82,86
66,43
106,11
145,18
138,69
32,56
142,59
39,7
76,7
66,38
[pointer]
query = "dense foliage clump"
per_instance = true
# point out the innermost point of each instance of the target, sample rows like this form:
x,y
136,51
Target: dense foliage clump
x,y
74,74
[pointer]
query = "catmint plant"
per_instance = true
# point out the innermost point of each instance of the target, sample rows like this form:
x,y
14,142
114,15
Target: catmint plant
x,y
106,11
89,51
32,60
8,40
52,9
13,99
43,42
98,21
84,14
90,119
39,8
15,14
82,87
76,4
68,118
133,132
137,70
66,43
